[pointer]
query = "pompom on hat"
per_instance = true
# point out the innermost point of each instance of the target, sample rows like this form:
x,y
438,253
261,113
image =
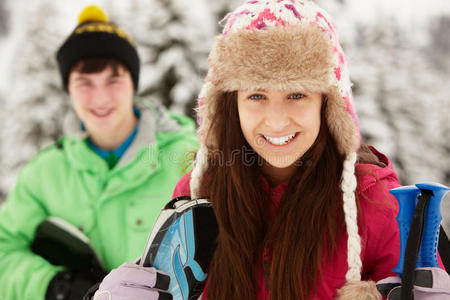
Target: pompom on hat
x,y
288,45
96,36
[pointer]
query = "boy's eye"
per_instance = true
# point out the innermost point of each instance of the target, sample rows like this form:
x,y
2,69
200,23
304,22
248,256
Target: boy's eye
x,y
297,96
83,84
256,97
115,80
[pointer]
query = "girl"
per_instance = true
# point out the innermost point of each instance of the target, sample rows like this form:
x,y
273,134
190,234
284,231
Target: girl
x,y
303,207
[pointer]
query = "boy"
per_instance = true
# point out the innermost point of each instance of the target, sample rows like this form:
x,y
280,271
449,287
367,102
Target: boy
x,y
109,178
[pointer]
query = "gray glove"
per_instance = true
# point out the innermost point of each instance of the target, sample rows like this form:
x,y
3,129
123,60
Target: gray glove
x,y
429,284
130,281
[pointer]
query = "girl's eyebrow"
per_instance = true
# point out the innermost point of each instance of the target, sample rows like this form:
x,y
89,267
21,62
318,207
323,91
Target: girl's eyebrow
x,y
257,90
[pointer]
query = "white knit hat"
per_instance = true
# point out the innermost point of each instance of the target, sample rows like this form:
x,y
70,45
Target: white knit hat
x,y
287,45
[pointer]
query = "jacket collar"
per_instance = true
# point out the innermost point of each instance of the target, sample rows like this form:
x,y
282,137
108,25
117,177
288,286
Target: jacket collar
x,y
154,118
369,174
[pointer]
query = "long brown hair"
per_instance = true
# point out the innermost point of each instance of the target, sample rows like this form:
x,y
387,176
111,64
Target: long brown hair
x,y
302,234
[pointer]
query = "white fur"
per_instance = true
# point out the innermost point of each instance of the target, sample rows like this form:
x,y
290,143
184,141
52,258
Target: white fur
x,y
358,290
201,163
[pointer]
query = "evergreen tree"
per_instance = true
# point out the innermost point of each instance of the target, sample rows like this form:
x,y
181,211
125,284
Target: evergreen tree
x,y
4,19
174,38
439,49
32,117
4,26
438,52
396,86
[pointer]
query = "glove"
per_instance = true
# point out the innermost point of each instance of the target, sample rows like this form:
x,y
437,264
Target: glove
x,y
69,286
131,281
429,284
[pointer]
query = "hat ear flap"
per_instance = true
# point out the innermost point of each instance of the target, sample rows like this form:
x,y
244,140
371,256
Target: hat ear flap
x,y
201,164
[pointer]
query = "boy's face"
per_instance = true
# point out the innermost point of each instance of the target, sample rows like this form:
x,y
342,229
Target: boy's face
x,y
103,101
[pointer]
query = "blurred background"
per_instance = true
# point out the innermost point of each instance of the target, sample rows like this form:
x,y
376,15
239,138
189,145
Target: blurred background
x,y
400,66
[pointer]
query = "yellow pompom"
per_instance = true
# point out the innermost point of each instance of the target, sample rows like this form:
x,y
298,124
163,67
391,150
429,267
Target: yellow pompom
x,y
92,13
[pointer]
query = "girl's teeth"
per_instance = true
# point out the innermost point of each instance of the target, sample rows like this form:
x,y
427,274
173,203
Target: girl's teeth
x,y
280,140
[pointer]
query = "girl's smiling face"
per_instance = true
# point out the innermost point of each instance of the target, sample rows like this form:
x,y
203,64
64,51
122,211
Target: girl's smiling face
x,y
279,126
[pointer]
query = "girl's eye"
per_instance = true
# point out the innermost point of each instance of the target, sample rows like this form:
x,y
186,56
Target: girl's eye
x,y
297,96
256,97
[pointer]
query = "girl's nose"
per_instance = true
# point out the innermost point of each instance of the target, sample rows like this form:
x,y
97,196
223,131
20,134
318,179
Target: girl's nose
x,y
277,117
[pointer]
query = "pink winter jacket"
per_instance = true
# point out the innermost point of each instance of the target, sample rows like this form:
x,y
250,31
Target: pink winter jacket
x,y
380,234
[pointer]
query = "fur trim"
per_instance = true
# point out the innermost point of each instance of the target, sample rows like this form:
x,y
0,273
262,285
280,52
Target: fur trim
x,y
200,165
282,58
358,290
342,125
205,113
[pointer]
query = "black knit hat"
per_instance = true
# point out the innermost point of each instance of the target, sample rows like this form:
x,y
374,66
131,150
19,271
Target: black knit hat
x,y
94,36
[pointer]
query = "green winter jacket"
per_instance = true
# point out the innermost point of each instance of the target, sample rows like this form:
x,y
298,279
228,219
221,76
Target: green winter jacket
x,y
115,208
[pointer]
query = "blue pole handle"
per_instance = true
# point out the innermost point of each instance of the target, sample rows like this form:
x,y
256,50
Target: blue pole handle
x,y
407,200
428,249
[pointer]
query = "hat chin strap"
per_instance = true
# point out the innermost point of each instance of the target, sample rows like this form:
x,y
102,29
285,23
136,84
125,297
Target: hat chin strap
x,y
354,288
348,186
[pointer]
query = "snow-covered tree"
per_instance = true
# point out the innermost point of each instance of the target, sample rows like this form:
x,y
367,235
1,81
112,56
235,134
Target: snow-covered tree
x,y
173,39
4,19
438,52
396,86
399,73
4,26
402,107
36,105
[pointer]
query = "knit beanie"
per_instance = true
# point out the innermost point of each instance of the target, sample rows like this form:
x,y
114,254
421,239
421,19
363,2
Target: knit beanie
x,y
288,45
95,36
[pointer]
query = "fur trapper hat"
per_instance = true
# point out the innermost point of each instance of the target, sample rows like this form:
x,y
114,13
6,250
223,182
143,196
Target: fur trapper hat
x,y
288,45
